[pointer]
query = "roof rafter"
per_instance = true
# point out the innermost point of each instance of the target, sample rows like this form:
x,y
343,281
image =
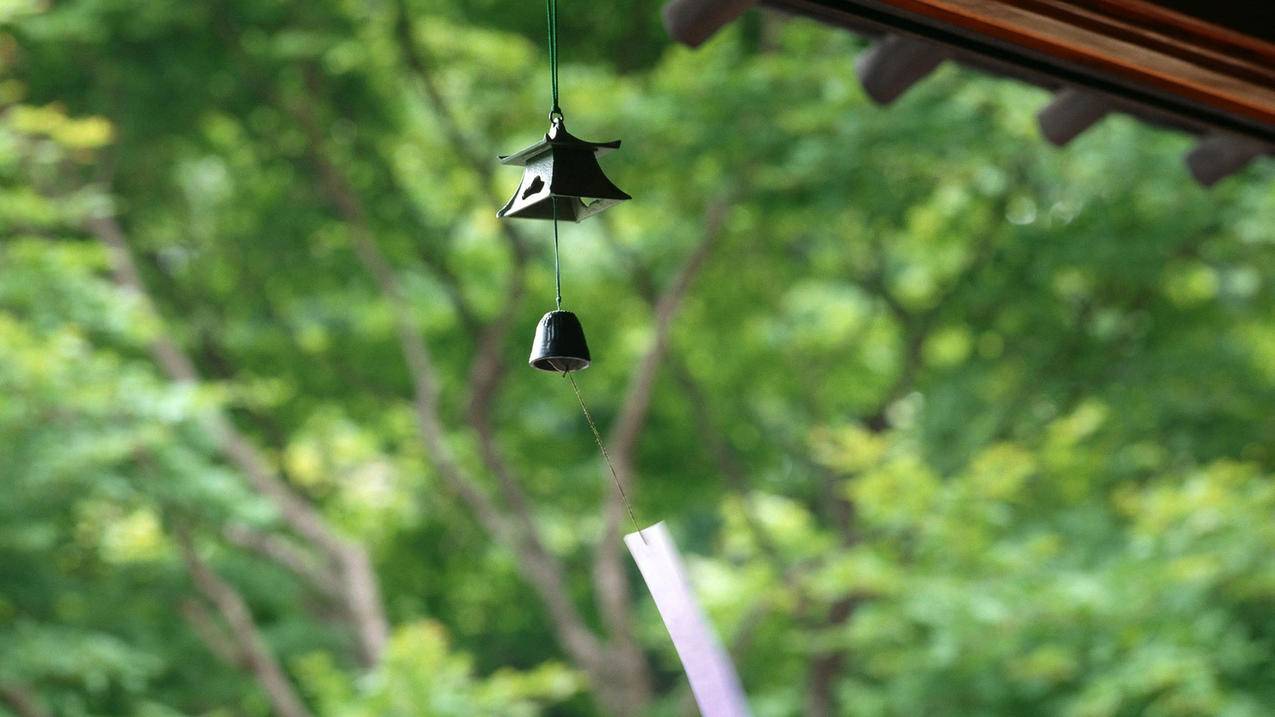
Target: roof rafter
x,y
1164,67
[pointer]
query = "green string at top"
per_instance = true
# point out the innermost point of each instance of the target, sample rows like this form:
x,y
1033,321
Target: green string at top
x,y
551,11
557,266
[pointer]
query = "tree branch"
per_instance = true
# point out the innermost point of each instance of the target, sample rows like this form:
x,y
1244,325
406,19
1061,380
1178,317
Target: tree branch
x,y
286,553
416,61
434,258
826,667
489,367
610,579
213,635
727,459
360,591
20,699
622,440
252,648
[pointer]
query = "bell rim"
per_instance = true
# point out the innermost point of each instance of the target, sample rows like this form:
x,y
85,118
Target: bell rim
x,y
535,363
578,213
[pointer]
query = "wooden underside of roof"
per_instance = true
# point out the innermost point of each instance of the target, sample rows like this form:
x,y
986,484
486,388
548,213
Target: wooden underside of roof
x,y
1163,66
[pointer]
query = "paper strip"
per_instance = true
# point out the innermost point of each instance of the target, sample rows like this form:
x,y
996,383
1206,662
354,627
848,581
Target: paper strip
x,y
709,669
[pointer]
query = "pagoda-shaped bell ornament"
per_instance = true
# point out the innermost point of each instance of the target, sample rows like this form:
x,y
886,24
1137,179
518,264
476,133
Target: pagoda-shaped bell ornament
x,y
559,345
561,179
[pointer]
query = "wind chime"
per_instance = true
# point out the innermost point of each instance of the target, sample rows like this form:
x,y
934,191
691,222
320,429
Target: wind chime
x,y
561,180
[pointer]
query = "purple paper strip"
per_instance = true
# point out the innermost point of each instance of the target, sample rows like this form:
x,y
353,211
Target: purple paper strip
x,y
709,669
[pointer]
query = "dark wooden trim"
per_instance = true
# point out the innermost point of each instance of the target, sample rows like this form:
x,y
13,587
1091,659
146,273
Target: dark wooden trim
x,y
1215,19
1183,66
979,33
1214,48
1070,113
691,22
1219,156
893,64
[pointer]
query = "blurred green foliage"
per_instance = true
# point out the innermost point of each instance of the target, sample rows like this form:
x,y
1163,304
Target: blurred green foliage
x,y
422,676
1005,408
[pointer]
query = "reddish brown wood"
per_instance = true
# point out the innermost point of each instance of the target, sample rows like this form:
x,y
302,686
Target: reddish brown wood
x,y
691,22
1127,39
1070,113
893,64
1219,156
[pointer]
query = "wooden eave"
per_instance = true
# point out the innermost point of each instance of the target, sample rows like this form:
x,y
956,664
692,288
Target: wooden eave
x,y
1203,68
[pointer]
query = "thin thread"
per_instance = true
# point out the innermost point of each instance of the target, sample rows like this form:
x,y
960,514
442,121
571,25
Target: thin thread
x,y
605,456
557,267
551,13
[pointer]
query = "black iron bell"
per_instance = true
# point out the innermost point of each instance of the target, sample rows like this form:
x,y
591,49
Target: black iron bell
x,y
559,345
561,170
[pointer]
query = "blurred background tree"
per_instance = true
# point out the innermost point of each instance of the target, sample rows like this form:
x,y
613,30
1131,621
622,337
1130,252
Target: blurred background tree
x,y
948,421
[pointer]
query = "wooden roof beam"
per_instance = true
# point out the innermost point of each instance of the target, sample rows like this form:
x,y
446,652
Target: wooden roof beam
x,y
1150,62
691,22
1070,113
1220,155
895,63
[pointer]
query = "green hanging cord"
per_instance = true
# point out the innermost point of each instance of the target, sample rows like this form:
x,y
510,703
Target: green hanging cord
x,y
557,267
551,11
